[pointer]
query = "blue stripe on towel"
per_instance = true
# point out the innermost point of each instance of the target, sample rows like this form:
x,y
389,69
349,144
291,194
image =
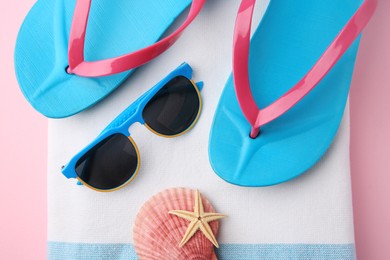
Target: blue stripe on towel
x,y
75,251
287,251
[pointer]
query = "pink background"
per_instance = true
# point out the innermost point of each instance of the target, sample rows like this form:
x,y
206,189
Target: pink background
x,y
23,147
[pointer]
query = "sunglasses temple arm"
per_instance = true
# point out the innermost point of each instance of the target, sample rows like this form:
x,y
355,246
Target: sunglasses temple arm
x,y
199,85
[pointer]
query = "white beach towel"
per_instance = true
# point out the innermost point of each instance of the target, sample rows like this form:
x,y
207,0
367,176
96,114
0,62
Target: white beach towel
x,y
307,218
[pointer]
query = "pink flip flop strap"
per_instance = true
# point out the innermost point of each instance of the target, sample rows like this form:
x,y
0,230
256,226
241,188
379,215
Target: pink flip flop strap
x,y
259,117
77,64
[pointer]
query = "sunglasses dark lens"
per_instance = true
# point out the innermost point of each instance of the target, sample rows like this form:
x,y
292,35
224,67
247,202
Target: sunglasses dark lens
x,y
109,164
174,108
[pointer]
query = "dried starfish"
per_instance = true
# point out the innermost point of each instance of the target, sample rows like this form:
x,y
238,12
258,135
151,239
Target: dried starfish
x,y
198,220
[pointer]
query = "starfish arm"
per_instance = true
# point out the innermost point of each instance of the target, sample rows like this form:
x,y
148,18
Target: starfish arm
x,y
187,215
206,229
208,217
191,230
198,208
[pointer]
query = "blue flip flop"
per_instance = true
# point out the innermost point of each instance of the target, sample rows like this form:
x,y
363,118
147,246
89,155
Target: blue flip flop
x,y
297,68
51,41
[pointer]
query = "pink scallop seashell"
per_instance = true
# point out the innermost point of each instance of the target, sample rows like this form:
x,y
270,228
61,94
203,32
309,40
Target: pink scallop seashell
x,y
157,234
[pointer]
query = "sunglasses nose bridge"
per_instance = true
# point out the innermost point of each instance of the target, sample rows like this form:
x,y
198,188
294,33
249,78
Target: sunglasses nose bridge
x,y
125,119
134,118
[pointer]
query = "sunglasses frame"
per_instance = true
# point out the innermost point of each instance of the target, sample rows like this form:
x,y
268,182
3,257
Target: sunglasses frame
x,y
131,115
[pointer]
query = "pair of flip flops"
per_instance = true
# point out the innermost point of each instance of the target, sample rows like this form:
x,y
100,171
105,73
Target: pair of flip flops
x,y
297,68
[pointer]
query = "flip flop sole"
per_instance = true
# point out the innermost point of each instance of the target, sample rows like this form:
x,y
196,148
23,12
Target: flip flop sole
x,y
114,28
290,39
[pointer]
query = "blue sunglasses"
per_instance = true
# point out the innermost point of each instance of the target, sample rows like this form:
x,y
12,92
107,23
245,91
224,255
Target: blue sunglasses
x,y
112,160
